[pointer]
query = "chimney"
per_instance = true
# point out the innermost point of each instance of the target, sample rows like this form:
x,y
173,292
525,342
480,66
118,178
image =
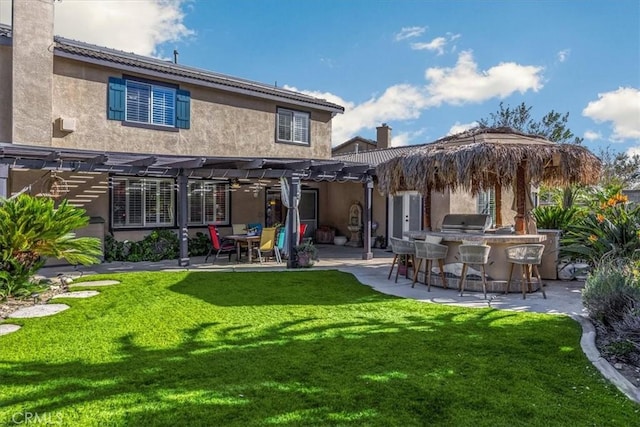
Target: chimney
x,y
32,71
383,136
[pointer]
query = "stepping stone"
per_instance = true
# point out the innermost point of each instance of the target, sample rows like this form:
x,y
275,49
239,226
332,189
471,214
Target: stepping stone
x,y
39,310
8,328
95,283
77,294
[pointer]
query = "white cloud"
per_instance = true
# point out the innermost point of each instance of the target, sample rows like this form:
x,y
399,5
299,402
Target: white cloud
x,y
436,44
461,127
409,32
397,103
406,138
563,55
458,85
591,135
134,26
464,83
634,151
620,107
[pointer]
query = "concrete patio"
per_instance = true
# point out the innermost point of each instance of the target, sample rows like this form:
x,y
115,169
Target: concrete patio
x,y
562,297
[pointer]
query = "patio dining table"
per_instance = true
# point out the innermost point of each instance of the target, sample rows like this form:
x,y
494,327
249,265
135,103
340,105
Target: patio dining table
x,y
243,238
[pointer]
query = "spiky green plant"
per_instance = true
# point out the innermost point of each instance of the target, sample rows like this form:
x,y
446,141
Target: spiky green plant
x,y
613,231
555,217
33,229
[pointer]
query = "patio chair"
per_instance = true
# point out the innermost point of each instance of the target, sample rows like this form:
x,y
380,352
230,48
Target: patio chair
x,y
239,228
430,252
473,254
254,229
268,244
402,249
528,257
224,246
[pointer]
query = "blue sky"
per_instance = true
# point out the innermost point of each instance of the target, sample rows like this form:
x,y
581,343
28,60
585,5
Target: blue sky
x,y
427,68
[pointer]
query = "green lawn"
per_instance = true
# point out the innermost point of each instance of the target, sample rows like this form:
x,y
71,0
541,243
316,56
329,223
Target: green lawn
x,y
296,348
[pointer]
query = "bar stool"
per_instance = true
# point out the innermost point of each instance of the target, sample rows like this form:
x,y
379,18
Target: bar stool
x,y
473,255
405,248
430,252
528,257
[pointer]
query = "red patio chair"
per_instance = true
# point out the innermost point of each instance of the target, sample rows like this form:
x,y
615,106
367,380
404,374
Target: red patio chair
x,y
225,246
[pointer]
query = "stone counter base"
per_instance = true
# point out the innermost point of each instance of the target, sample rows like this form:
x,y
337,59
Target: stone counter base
x,y
475,285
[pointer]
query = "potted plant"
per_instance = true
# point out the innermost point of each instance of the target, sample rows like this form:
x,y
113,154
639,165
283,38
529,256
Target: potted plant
x,y
380,242
306,254
403,264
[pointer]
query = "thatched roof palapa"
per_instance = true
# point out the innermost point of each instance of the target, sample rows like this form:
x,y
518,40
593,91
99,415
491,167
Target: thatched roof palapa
x,y
482,158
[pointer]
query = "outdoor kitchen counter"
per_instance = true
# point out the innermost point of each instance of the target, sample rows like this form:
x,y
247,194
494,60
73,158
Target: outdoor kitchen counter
x,y
498,267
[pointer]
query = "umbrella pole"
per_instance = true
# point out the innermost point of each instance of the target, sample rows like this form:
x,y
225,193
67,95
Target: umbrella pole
x,y
520,223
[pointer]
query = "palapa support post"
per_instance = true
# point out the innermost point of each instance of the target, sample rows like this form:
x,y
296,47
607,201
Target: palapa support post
x,y
498,204
520,220
426,207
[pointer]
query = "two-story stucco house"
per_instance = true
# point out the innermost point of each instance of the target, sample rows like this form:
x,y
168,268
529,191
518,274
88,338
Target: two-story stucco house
x,y
142,143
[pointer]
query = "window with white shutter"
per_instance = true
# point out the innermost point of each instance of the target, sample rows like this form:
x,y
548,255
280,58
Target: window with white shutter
x,y
293,126
208,203
142,202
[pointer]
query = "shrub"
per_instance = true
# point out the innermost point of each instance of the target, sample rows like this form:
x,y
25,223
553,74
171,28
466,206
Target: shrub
x,y
612,299
555,217
156,246
611,290
32,229
613,231
199,245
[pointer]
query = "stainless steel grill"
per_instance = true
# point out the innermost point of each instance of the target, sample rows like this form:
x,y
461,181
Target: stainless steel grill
x,y
466,223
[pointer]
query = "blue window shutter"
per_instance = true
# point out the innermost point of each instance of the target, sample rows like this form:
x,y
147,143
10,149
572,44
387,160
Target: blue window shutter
x,y
116,99
183,109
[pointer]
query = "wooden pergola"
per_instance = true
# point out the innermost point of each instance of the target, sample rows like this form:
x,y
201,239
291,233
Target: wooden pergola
x,y
183,168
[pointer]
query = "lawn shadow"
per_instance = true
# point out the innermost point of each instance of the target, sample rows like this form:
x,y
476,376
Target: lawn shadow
x,y
361,371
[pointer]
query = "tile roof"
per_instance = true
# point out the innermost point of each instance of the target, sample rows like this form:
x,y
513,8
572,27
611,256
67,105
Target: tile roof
x,y
355,139
92,53
132,62
375,157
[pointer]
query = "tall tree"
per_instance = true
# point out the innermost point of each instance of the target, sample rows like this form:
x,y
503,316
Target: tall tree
x,y
619,170
553,126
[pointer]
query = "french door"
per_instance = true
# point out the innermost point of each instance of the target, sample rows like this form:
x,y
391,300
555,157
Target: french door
x,y
405,213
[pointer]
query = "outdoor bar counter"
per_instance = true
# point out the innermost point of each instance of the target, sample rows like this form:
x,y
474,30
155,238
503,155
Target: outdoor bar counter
x,y
497,268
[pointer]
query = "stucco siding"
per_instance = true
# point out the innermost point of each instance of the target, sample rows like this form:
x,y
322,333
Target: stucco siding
x,y
5,93
222,124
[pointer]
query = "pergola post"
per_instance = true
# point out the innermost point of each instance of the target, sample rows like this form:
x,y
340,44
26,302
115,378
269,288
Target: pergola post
x,y
4,181
368,214
183,231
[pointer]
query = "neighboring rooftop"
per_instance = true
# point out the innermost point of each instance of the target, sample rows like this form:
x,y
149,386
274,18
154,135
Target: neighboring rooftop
x,y
375,157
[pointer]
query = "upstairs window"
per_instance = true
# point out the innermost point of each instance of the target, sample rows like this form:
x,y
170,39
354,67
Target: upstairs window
x,y
293,126
146,103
